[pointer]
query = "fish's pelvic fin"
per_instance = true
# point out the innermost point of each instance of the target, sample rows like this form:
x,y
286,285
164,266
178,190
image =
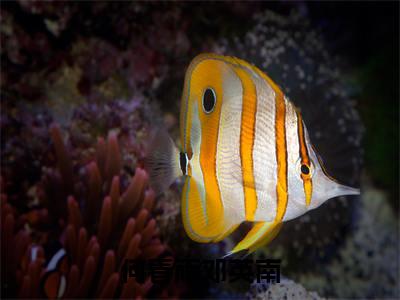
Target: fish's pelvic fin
x,y
162,161
261,234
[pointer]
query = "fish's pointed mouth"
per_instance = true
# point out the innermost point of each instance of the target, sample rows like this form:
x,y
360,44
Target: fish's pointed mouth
x,y
335,189
327,188
342,190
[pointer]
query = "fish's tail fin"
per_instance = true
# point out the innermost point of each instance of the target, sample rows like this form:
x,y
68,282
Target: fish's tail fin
x,y
162,161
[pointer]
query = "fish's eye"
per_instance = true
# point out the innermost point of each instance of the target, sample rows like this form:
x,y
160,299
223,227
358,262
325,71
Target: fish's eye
x,y
209,100
305,169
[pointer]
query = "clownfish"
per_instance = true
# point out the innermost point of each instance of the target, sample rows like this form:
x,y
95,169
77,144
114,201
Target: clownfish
x,y
245,155
54,281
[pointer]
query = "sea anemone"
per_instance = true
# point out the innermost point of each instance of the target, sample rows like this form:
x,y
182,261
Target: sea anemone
x,y
99,214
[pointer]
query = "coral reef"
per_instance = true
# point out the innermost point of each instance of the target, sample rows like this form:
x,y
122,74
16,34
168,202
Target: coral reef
x,y
286,289
62,64
106,219
370,256
21,161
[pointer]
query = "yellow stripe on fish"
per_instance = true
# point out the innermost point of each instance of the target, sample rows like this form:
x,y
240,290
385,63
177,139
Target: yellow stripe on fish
x,y
247,131
280,141
201,134
281,155
305,161
245,154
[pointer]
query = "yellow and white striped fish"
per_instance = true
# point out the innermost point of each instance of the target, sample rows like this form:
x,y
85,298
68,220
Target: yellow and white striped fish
x,y
245,155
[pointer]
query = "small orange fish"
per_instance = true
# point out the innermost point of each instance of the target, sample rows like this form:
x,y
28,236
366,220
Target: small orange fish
x,y
54,281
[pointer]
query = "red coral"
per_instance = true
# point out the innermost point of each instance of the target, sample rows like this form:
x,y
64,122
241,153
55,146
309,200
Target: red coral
x,y
100,224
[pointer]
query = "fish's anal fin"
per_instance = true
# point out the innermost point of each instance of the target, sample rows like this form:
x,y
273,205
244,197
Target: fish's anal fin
x,y
261,234
226,233
203,221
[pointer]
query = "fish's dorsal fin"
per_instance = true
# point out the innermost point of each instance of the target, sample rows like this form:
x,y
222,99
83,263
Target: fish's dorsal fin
x,y
243,64
195,138
261,234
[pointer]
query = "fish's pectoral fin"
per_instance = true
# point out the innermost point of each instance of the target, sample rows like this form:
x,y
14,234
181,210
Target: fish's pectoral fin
x,y
261,234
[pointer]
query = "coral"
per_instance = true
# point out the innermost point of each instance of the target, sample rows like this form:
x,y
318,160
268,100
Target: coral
x,y
296,57
131,119
98,213
21,161
286,289
109,51
367,265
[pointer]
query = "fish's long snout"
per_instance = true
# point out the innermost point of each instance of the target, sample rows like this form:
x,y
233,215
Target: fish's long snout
x,y
326,188
342,190
335,189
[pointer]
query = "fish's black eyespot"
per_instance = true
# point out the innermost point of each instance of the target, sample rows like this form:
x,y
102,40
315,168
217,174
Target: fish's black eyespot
x,y
305,169
209,100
